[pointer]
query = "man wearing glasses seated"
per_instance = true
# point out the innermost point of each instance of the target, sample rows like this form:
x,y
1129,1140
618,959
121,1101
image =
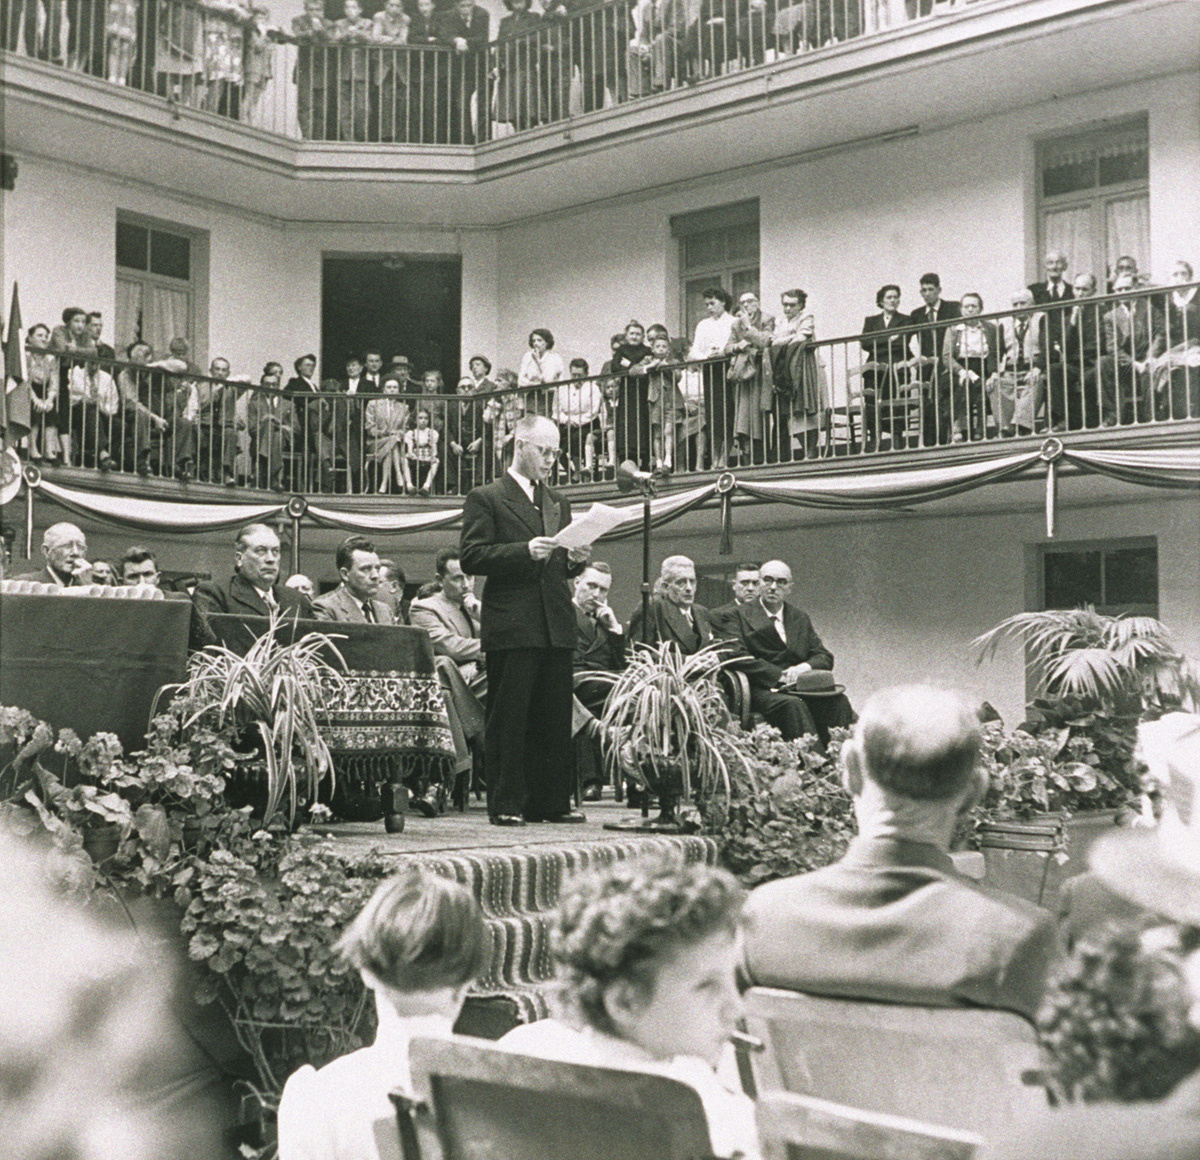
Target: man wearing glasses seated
x,y
800,667
527,630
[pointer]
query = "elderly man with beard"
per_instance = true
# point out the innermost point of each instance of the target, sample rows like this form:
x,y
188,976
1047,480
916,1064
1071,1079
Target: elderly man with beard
x,y
527,630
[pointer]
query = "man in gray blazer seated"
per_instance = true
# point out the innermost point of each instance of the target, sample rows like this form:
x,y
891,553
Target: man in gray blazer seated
x,y
893,921
355,598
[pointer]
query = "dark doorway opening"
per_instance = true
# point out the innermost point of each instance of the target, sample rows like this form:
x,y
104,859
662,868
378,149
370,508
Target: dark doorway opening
x,y
395,304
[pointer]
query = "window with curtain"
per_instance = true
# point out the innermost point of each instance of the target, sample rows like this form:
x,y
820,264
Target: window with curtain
x,y
1094,197
717,247
155,285
1114,576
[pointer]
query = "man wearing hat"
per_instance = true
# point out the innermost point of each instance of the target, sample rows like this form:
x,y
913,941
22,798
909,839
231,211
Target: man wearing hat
x,y
1158,871
801,693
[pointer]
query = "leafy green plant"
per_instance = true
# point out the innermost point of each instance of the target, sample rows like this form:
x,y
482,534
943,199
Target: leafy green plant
x,y
275,691
788,811
669,716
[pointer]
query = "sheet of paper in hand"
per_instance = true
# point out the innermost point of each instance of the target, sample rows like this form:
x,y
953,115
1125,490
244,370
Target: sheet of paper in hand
x,y
597,521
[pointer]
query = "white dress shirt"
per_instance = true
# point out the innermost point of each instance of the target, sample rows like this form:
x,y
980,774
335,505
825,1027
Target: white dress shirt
x,y
527,485
712,336
776,618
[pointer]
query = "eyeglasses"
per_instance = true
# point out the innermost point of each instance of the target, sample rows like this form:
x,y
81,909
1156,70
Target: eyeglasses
x,y
774,581
548,453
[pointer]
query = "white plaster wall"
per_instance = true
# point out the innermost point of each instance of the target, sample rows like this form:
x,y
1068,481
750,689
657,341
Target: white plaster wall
x,y
959,200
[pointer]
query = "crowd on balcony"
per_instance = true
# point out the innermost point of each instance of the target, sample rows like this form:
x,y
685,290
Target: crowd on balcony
x,y
746,388
422,70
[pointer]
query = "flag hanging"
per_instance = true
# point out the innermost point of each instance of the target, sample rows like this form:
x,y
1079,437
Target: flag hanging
x,y
15,418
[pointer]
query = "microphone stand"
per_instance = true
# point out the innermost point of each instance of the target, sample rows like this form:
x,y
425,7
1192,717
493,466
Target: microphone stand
x,y
628,478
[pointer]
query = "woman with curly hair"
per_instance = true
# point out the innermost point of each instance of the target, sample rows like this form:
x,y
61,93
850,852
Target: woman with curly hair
x,y
646,952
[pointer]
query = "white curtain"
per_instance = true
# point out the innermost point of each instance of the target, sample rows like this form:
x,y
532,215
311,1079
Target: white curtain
x,y
1127,231
167,315
1069,231
128,327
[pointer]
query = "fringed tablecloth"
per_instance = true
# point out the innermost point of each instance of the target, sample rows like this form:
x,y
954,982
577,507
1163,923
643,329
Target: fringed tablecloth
x,y
386,721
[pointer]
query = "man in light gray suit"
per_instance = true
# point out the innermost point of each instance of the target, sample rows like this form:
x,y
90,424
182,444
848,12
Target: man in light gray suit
x,y
354,599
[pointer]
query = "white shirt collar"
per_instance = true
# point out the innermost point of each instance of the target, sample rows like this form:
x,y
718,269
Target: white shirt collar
x,y
527,485
776,618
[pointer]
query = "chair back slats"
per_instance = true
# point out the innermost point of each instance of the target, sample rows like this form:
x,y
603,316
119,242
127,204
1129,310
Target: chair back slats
x,y
961,1067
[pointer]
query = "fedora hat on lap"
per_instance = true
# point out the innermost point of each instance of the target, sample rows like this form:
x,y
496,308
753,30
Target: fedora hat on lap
x,y
816,683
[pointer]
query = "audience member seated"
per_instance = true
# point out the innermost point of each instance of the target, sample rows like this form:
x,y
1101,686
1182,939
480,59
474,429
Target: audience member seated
x,y
417,945
104,574
883,373
354,599
1157,871
64,550
1073,385
387,420
972,350
254,589
391,589
1130,346
674,614
894,921
646,952
783,640
271,419
138,566
600,648
927,346
1015,389
745,587
301,583
1176,375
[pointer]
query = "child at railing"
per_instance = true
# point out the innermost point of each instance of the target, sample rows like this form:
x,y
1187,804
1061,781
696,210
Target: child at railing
x,y
501,413
386,420
667,408
421,454
120,25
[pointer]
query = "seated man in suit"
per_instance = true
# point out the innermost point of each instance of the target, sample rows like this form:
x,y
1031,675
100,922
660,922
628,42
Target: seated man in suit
x,y
894,921
254,589
674,613
782,639
355,599
64,549
600,648
451,617
745,591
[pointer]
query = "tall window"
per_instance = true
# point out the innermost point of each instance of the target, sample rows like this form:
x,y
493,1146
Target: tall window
x,y
1115,576
717,247
1094,192
156,286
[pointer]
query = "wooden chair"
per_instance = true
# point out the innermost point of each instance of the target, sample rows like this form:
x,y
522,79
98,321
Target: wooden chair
x,y
966,1068
800,1128
477,1102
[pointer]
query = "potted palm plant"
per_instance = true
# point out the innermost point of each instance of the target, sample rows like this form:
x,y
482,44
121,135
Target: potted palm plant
x,y
273,697
1069,769
665,724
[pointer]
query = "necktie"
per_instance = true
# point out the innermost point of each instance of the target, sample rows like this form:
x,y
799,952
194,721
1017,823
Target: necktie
x,y
269,598
368,612
779,626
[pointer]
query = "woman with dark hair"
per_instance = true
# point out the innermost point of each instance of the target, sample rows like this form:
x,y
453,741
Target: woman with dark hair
x,y
516,73
41,372
887,356
633,405
972,352
541,363
712,336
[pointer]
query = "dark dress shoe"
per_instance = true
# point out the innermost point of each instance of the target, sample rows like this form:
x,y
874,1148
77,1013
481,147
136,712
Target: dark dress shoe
x,y
506,820
593,793
571,817
427,804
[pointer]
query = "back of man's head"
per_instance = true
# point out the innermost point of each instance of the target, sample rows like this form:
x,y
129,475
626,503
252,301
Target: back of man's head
x,y
918,742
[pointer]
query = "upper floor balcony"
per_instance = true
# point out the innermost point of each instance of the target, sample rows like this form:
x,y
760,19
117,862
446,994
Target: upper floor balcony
x,y
431,101
1124,367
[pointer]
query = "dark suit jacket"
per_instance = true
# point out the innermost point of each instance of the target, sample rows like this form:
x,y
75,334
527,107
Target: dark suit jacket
x,y
931,339
241,597
423,31
450,25
668,623
341,605
894,922
45,576
1041,293
723,619
756,633
596,648
526,602
891,348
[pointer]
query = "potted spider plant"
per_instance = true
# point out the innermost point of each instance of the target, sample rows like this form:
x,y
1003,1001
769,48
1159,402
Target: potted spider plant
x,y
665,718
1068,771
273,698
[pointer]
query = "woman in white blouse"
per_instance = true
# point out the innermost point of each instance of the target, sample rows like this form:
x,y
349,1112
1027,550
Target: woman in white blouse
x,y
713,334
541,363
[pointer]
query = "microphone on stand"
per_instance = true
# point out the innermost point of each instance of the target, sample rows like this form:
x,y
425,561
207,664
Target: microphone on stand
x,y
629,476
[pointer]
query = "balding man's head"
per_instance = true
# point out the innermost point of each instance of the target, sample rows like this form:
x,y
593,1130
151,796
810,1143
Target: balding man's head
x,y
535,446
916,742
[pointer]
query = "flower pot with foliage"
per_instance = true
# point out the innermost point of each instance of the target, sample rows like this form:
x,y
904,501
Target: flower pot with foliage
x,y
271,697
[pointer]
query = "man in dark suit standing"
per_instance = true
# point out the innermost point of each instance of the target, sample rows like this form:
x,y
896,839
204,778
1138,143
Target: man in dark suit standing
x,y
935,315
894,921
782,639
254,589
464,28
527,629
354,600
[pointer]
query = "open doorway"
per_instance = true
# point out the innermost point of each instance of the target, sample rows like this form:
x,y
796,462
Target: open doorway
x,y
395,304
